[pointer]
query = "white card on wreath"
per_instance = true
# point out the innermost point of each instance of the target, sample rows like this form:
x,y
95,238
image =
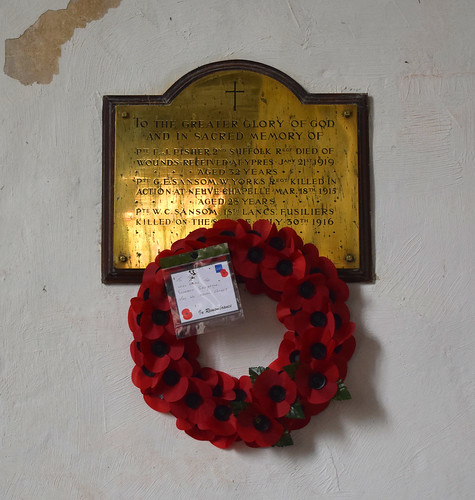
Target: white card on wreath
x,y
204,292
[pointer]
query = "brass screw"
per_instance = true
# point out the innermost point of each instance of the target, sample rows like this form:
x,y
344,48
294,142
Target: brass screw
x,y
349,258
122,258
125,114
347,113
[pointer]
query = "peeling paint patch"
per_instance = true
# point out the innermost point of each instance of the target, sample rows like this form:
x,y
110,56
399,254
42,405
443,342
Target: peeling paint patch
x,y
34,56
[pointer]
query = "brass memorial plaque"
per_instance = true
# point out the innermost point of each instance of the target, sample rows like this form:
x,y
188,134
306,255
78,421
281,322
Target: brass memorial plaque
x,y
235,140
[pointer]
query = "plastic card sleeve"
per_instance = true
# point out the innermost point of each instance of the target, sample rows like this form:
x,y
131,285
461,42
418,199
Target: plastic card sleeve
x,y
202,290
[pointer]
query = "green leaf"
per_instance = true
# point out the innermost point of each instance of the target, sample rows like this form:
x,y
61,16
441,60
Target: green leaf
x,y
285,440
237,407
255,371
343,393
291,370
296,411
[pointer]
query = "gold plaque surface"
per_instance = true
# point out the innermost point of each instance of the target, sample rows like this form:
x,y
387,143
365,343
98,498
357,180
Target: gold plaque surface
x,y
234,144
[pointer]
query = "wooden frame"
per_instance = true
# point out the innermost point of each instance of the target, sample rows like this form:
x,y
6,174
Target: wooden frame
x,y
111,274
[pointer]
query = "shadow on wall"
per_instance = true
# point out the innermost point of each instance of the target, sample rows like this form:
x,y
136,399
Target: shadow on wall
x,y
364,406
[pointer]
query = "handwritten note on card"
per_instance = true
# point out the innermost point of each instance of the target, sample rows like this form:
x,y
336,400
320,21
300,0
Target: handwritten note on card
x,y
204,292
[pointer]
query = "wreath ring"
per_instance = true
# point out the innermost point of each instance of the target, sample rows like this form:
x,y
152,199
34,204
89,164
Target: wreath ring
x,y
261,408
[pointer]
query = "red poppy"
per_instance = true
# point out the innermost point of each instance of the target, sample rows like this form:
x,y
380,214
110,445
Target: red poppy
x,y
222,421
153,289
339,291
195,365
242,389
342,354
317,382
286,239
344,328
224,442
196,239
312,410
195,432
317,344
293,424
148,275
187,314
144,378
298,292
264,229
192,349
183,425
221,383
196,405
289,351
314,312
156,402
275,392
135,317
174,381
227,231
157,354
278,267
147,321
247,256
184,246
257,235
316,264
254,427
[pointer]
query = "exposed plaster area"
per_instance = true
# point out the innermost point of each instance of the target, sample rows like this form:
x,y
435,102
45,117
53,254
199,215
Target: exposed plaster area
x,y
34,56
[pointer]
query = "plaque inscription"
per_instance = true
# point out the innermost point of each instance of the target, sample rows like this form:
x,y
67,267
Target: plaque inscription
x,y
235,140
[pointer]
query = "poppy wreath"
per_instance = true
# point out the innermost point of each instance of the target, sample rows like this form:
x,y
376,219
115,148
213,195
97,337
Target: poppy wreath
x,y
261,408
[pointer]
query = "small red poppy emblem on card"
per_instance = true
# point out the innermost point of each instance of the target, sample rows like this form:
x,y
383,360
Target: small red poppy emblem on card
x,y
224,273
187,314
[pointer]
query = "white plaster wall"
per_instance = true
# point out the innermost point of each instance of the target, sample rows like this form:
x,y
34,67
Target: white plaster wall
x,y
73,425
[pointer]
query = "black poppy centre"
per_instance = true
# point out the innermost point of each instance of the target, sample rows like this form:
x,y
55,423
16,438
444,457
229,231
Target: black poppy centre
x,y
147,372
315,270
294,356
261,423
193,400
318,319
160,317
160,348
217,391
171,377
318,350
222,413
277,393
307,290
255,255
240,395
277,243
284,267
317,381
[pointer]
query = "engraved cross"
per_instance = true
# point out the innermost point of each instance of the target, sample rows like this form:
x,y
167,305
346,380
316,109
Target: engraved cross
x,y
234,92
